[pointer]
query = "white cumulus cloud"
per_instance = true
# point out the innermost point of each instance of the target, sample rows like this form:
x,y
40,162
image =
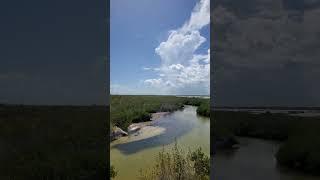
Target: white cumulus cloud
x,y
182,71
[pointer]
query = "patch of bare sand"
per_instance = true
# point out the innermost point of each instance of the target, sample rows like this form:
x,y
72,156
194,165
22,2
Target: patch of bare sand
x,y
143,130
143,133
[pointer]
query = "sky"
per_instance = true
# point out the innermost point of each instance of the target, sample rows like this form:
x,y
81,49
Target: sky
x,y
160,47
53,52
266,53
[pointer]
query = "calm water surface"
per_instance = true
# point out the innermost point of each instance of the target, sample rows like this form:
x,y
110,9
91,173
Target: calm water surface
x,y
254,160
190,130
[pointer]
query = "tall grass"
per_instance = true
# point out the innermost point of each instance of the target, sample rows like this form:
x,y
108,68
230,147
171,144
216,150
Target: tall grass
x,y
178,165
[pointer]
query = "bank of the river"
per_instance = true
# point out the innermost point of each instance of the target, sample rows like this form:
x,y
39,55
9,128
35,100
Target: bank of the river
x,y
128,109
255,159
134,152
138,128
300,145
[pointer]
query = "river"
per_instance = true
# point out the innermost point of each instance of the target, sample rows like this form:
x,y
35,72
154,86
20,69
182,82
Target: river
x,y
190,130
254,160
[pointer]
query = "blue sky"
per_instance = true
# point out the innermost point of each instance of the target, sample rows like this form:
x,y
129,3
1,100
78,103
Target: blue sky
x,y
159,47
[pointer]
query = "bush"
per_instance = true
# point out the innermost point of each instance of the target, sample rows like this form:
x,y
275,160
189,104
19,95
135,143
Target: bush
x,y
53,142
301,151
300,135
201,163
204,109
178,165
113,172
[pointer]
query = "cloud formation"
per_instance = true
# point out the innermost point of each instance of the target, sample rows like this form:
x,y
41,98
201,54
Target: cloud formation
x,y
266,52
182,70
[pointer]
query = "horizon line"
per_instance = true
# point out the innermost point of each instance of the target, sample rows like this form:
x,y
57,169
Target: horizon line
x,y
161,94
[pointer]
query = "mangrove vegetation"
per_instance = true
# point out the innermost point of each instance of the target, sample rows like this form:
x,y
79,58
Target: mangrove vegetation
x,y
53,142
128,109
300,136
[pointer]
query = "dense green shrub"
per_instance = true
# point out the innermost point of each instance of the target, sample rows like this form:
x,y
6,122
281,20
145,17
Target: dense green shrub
x,y
300,135
265,125
113,172
128,109
53,142
178,165
201,163
204,109
301,151
194,101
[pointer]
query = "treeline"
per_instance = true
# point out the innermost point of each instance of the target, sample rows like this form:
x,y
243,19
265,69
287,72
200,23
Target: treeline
x,y
264,125
128,109
300,135
203,105
204,109
58,142
270,107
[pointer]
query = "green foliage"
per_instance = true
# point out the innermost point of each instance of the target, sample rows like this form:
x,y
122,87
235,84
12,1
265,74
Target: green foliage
x,y
265,125
201,163
301,150
128,109
177,165
204,109
53,142
113,172
300,135
194,101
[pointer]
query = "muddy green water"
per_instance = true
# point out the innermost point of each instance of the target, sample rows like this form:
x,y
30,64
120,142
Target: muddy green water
x,y
254,160
190,130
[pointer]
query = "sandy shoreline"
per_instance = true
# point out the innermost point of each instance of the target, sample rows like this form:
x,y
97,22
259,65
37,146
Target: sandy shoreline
x,y
142,130
138,126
